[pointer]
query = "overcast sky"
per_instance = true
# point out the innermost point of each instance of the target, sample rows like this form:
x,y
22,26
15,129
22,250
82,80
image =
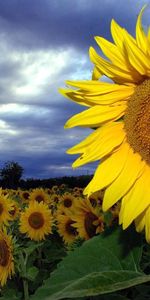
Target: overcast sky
x,y
42,44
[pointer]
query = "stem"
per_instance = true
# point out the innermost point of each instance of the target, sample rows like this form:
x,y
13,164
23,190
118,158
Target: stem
x,y
23,262
39,257
26,290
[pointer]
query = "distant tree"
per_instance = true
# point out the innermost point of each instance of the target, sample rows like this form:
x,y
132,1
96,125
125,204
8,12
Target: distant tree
x,y
11,174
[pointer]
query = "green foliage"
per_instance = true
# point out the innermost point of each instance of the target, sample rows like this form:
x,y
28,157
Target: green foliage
x,y
11,174
104,264
114,265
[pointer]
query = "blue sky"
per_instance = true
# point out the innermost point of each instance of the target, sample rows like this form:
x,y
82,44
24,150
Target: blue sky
x,y
42,44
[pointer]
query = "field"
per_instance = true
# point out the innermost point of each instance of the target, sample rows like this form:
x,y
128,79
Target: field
x,y
52,239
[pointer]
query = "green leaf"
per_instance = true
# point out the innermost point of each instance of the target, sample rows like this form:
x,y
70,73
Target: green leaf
x,y
113,296
31,247
9,293
31,273
104,264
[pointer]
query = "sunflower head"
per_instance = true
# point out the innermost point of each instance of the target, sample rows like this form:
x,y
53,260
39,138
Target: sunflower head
x,y
6,257
119,111
88,219
66,229
55,188
36,221
24,195
15,210
66,201
39,195
6,207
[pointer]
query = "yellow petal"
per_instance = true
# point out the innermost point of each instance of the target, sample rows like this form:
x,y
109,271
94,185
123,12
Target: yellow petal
x,y
95,92
110,137
137,199
95,116
72,95
111,51
97,134
108,170
116,56
136,56
140,222
96,74
117,34
117,74
141,38
124,181
147,224
91,85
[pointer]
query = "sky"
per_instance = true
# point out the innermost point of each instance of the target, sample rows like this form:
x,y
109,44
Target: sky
x,y
42,44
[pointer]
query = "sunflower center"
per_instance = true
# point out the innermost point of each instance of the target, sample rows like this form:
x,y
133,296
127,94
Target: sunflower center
x,y
71,230
67,202
4,253
36,220
1,208
39,198
88,223
137,121
26,195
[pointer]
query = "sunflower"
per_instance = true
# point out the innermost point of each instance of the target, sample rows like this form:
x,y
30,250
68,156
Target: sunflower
x,y
24,195
39,195
15,210
55,188
67,201
36,221
119,111
6,257
66,229
6,207
5,192
89,220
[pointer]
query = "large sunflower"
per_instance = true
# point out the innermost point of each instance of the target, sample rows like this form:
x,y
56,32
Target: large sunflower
x,y
6,257
119,111
36,221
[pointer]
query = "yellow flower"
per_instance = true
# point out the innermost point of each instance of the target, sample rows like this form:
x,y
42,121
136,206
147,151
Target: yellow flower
x,y
55,189
66,201
36,221
6,257
6,207
24,195
66,229
119,111
88,220
15,210
39,195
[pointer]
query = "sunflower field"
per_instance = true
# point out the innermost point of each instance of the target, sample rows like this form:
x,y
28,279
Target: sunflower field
x,y
58,244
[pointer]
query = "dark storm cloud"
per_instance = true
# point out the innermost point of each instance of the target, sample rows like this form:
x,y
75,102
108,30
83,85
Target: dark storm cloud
x,y
44,43
43,156
55,23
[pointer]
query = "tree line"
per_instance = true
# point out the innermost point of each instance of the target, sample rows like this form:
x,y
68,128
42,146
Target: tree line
x,y
11,178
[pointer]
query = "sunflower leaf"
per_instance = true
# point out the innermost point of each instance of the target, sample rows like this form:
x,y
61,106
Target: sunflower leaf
x,y
104,264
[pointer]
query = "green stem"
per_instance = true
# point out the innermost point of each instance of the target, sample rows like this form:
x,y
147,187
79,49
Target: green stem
x,y
23,261
26,290
39,257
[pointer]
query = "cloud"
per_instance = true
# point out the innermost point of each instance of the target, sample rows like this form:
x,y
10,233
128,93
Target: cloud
x,y
44,43
51,24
